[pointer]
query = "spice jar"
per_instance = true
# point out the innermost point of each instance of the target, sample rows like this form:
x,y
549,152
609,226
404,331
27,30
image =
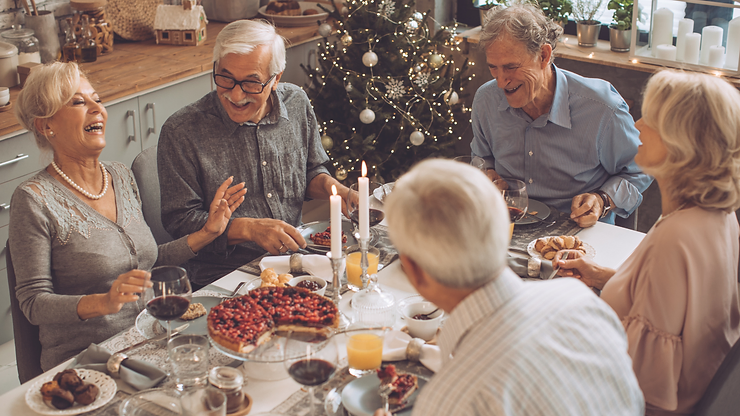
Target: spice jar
x,y
26,42
230,381
102,29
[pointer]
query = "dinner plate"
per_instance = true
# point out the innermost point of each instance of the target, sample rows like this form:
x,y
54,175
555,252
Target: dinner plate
x,y
380,195
360,397
320,226
107,387
149,326
590,251
294,21
542,212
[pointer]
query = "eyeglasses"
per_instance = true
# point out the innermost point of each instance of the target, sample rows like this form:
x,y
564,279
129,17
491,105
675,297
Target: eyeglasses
x,y
249,87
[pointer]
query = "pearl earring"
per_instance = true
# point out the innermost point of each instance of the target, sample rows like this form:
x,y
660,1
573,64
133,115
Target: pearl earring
x,y
51,133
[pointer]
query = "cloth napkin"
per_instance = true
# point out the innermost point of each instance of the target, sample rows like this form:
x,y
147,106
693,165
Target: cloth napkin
x,y
394,349
139,374
313,264
519,266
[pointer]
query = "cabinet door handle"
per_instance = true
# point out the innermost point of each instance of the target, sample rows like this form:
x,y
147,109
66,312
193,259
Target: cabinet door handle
x,y
153,129
4,206
132,115
15,160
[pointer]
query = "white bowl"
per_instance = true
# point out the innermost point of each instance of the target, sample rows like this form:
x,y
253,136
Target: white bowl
x,y
424,329
4,91
322,283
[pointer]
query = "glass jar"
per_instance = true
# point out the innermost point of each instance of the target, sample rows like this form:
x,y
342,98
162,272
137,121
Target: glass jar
x,y
230,381
95,11
71,49
27,44
88,46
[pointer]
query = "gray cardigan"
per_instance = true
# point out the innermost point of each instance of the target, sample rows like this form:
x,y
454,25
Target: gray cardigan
x,y
63,249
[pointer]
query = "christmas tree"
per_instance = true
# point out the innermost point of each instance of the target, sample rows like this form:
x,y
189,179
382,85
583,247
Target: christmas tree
x,y
388,91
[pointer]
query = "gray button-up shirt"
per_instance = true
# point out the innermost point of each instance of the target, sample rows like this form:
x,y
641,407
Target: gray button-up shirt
x,y
200,146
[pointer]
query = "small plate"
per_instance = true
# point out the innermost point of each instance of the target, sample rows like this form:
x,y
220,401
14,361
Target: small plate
x,y
295,21
379,195
590,251
149,327
360,397
542,212
107,387
320,226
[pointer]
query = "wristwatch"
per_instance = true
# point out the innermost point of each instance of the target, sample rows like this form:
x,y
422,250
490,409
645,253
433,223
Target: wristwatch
x,y
607,204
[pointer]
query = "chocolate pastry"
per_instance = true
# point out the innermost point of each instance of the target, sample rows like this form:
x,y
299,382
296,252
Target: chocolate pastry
x,y
62,399
47,388
86,394
68,379
284,8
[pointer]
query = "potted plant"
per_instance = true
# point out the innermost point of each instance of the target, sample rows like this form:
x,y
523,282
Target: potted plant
x,y
485,5
557,10
620,31
586,26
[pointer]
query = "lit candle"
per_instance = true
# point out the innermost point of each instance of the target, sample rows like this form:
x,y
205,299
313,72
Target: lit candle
x,y
662,29
716,56
733,44
667,52
363,186
691,51
336,222
685,26
710,36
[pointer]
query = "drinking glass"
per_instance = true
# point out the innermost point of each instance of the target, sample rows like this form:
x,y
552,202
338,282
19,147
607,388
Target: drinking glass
x,y
204,401
169,296
514,192
474,161
314,364
373,306
364,349
354,270
189,360
376,214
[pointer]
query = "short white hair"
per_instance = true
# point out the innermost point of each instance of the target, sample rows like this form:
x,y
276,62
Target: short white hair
x,y
244,36
452,221
698,119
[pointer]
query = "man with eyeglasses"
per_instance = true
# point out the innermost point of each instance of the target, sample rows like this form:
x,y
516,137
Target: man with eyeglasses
x,y
262,133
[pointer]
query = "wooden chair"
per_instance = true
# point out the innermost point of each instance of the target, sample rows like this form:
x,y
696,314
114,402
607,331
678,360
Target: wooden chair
x,y
721,397
147,178
26,335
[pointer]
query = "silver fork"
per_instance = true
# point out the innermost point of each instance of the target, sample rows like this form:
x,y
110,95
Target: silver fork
x,y
385,390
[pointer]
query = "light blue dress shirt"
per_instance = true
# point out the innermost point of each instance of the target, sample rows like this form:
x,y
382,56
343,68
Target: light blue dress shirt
x,y
587,141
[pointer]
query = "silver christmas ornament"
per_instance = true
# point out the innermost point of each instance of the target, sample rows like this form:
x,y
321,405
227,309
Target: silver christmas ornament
x,y
349,87
417,138
370,59
451,97
436,61
346,39
412,25
367,116
417,16
327,142
325,30
341,174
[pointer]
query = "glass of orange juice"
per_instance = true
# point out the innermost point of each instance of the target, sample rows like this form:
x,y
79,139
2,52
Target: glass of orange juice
x,y
364,350
354,270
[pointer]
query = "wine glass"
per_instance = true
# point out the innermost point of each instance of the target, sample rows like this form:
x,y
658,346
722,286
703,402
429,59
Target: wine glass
x,y
310,359
376,214
474,161
514,192
169,296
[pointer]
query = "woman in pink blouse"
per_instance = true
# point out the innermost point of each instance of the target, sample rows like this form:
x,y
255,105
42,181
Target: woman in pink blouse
x,y
677,294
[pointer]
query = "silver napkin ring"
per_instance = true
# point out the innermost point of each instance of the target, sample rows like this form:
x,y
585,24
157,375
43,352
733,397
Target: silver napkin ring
x,y
296,263
114,364
413,350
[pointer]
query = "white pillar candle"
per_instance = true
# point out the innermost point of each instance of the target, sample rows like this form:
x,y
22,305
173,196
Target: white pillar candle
x,y
710,36
685,26
733,44
662,33
666,52
691,51
716,56
336,222
363,186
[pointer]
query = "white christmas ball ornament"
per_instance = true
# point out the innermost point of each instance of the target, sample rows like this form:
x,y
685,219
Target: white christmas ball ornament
x,y
417,138
412,25
367,116
452,98
325,29
327,142
370,59
418,16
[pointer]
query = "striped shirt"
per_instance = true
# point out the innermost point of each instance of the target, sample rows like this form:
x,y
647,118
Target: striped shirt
x,y
587,141
532,348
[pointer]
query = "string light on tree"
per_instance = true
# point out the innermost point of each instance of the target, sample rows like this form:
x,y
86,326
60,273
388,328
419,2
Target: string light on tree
x,y
417,138
367,116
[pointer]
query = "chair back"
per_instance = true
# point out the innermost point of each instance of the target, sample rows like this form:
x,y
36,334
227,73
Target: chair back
x,y
629,222
721,397
26,335
147,177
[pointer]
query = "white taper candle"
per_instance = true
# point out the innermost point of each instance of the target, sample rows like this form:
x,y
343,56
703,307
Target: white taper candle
x,y
363,186
336,222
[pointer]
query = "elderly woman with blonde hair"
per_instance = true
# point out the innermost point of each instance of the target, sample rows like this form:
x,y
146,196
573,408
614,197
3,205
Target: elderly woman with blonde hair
x,y
677,294
80,245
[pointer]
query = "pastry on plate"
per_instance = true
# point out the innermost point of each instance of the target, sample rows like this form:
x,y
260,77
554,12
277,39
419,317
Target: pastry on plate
x,y
284,8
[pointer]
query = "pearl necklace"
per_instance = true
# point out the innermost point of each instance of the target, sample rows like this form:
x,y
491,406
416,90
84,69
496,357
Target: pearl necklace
x,y
661,218
78,187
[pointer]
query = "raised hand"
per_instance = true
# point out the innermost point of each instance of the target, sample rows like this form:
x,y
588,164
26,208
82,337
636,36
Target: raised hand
x,y
225,202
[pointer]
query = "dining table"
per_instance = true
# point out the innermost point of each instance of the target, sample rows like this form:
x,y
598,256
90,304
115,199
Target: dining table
x,y
611,244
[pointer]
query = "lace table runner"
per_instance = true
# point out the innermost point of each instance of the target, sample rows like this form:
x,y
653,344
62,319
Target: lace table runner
x,y
562,225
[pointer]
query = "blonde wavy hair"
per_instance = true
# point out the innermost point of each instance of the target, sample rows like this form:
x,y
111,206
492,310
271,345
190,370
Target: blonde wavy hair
x,y
47,90
698,119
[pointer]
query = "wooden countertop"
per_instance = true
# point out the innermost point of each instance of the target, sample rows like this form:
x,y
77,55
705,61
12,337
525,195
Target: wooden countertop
x,y
139,66
601,54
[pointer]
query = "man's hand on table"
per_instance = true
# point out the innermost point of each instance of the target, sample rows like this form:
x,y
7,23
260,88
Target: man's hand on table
x,y
585,209
381,412
492,175
582,268
275,236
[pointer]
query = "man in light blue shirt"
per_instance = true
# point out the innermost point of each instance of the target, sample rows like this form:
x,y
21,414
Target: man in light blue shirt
x,y
570,139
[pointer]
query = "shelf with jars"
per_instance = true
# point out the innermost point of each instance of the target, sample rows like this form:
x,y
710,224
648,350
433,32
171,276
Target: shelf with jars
x,y
698,35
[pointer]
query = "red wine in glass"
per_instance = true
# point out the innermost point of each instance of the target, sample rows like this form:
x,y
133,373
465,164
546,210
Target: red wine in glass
x,y
375,217
167,308
311,372
310,360
515,214
169,296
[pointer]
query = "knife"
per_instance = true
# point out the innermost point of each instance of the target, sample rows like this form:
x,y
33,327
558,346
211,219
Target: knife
x,y
555,271
155,339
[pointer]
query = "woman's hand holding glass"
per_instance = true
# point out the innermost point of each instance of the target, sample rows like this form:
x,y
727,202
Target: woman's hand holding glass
x,y
583,268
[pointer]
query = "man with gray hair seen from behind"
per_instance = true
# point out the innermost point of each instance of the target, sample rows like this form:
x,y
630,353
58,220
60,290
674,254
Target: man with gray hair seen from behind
x,y
509,347
570,139
260,132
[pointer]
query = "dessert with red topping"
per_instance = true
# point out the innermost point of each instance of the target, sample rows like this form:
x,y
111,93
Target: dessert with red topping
x,y
402,385
324,238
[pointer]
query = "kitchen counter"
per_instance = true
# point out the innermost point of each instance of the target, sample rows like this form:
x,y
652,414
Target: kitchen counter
x,y
137,66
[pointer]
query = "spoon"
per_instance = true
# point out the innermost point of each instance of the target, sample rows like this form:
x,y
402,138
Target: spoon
x,y
424,315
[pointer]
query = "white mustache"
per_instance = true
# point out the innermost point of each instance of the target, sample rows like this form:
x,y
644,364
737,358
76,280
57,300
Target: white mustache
x,y
244,101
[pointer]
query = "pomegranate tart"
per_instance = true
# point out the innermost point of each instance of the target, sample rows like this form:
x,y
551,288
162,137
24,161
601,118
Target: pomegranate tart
x,y
244,323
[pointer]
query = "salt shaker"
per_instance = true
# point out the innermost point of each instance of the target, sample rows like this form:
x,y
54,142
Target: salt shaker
x,y
230,381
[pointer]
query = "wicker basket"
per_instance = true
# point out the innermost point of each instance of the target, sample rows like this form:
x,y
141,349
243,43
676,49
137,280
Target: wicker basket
x,y
133,19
